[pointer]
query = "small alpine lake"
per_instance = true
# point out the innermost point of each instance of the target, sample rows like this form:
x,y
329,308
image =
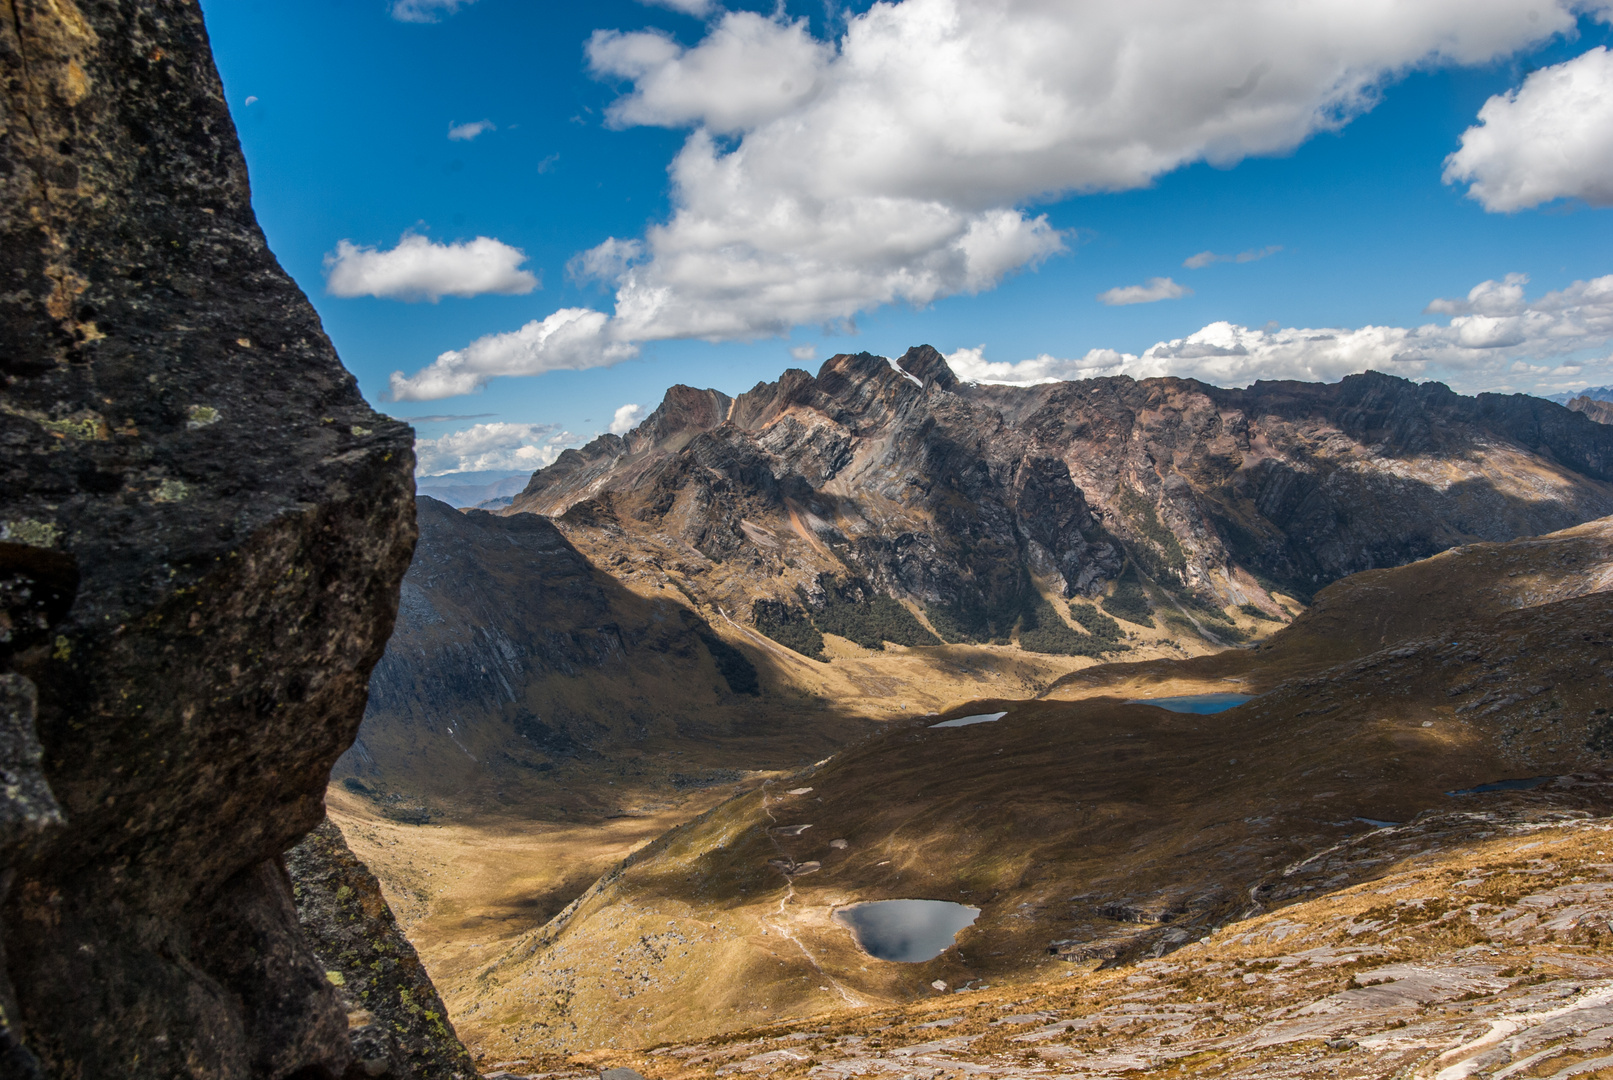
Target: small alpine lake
x,y
1201,704
906,931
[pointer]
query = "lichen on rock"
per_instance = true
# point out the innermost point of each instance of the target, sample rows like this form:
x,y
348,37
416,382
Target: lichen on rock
x,y
398,1026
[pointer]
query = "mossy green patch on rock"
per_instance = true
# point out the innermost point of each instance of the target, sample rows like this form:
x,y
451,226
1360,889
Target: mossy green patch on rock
x,y
28,531
401,1030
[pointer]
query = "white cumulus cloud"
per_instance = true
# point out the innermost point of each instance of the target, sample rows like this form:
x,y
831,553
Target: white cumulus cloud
x,y
419,269
803,353
626,419
1495,339
570,339
1155,288
896,164
750,69
467,132
425,11
1550,138
497,446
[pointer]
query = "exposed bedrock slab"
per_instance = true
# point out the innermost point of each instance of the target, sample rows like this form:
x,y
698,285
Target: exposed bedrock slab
x,y
202,531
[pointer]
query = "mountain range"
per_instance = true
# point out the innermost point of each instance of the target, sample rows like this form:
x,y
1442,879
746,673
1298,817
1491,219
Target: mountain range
x,y
668,627
811,498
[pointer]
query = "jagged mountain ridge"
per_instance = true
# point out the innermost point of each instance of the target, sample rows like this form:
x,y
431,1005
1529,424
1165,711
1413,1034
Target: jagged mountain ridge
x,y
969,500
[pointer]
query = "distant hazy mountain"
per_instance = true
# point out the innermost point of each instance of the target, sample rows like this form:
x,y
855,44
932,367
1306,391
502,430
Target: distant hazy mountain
x,y
1598,409
472,488
1600,393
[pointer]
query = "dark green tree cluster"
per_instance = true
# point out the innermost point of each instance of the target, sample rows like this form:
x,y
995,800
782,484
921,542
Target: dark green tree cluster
x,y
1255,611
871,622
1043,631
849,609
790,627
988,618
1129,601
1095,622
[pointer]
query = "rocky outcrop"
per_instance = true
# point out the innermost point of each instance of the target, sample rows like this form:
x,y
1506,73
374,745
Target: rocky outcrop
x,y
203,529
971,500
396,1023
1595,408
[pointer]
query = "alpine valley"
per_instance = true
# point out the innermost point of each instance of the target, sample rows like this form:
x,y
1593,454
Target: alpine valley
x,y
643,734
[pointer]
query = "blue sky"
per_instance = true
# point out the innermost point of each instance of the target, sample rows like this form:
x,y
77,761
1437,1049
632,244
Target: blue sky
x,y
1341,193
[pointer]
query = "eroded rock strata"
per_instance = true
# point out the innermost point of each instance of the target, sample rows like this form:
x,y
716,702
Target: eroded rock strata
x,y
203,527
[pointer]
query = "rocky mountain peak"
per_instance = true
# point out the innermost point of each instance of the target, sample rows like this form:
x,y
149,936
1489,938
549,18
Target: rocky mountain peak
x,y
928,366
972,503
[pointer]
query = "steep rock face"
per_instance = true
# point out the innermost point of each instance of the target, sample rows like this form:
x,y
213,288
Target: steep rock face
x,y
1596,409
204,527
514,657
397,1024
959,497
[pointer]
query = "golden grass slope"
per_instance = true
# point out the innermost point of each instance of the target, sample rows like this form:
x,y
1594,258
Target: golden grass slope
x,y
1089,829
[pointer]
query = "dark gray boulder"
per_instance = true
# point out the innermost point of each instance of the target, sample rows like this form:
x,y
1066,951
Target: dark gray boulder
x,y
202,531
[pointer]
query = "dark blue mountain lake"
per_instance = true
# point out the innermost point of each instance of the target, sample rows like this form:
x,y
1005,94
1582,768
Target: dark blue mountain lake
x,y
906,931
1202,704
1504,785
978,718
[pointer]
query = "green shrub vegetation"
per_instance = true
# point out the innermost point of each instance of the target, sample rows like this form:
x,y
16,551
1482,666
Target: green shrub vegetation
x,y
871,623
850,610
1042,631
1256,612
949,622
790,627
1180,622
976,619
1205,608
1129,601
1095,622
1226,633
